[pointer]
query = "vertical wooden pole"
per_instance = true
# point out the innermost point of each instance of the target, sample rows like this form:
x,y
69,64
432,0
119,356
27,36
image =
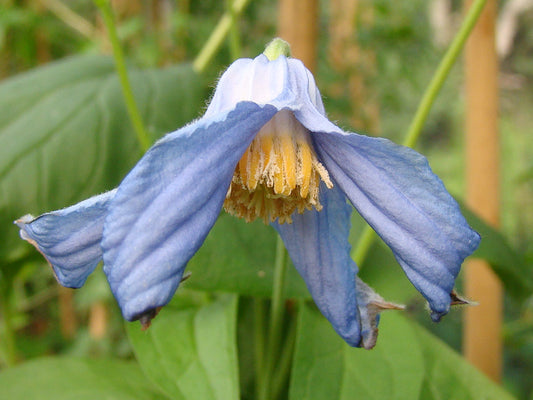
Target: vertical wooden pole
x,y
482,336
298,25
67,313
353,64
98,320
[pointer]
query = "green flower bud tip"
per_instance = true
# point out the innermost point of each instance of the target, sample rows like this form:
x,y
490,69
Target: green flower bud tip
x,y
276,48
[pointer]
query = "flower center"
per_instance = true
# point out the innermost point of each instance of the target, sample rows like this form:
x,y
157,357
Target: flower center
x,y
278,174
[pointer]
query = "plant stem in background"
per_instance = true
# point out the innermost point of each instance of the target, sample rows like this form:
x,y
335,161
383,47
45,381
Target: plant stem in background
x,y
276,319
281,374
8,349
218,35
442,72
366,240
259,342
234,36
118,55
70,18
360,251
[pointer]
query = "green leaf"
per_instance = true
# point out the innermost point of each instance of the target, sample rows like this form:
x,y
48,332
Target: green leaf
x,y
407,363
509,265
239,257
447,375
190,349
81,379
65,134
325,367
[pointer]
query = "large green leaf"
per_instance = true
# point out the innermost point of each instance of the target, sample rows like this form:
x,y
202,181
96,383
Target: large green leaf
x,y
449,376
407,363
190,349
239,257
80,379
327,368
65,134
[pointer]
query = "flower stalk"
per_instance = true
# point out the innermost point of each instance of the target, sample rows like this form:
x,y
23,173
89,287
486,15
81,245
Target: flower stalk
x,y
277,47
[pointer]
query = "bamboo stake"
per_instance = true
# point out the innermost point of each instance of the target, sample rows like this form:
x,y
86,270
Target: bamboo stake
x,y
298,25
354,64
482,335
98,320
67,313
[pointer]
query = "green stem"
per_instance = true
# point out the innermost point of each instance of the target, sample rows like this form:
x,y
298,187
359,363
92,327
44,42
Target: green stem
x,y
234,37
9,348
366,240
259,339
276,318
285,360
442,72
415,129
120,65
280,267
218,35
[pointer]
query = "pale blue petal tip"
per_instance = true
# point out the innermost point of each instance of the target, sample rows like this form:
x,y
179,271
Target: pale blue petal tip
x,y
69,239
436,316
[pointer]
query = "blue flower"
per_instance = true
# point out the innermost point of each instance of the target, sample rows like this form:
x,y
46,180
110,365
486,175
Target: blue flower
x,y
264,149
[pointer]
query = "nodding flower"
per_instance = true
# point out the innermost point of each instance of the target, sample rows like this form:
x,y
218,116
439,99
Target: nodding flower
x,y
264,149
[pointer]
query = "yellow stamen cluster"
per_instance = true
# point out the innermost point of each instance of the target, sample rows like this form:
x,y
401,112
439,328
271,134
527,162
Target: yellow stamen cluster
x,y
278,174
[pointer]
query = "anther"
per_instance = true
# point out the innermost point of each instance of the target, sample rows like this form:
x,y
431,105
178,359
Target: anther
x,y
278,174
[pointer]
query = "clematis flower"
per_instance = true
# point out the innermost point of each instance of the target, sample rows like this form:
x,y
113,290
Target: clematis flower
x,y
265,149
